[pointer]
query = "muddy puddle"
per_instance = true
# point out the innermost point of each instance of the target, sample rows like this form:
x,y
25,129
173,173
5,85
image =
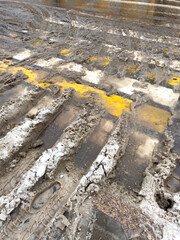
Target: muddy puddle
x,y
130,168
94,143
173,182
113,229
55,129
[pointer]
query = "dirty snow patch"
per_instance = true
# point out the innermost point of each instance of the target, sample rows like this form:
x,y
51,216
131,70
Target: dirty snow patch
x,y
23,55
48,63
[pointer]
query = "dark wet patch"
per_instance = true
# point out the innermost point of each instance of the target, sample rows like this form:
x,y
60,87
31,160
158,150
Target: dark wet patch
x,y
175,130
106,228
94,143
177,170
163,202
112,213
173,182
14,214
55,129
130,168
50,136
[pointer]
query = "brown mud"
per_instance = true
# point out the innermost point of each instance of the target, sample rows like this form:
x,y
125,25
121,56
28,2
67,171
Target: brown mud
x,y
70,169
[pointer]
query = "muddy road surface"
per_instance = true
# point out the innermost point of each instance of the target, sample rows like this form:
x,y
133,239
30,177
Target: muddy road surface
x,y
89,120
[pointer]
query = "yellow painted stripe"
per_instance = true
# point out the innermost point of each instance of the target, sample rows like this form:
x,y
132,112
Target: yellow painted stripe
x,y
175,81
66,52
13,35
173,50
103,61
114,104
151,117
4,65
132,68
150,76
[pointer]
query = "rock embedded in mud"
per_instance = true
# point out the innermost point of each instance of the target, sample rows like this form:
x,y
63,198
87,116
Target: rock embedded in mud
x,y
38,143
22,154
55,88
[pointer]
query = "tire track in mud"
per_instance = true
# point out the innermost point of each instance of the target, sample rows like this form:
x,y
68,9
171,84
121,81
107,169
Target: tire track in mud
x,y
10,110
38,226
159,203
25,132
18,168
25,160
57,205
25,21
83,124
46,194
102,166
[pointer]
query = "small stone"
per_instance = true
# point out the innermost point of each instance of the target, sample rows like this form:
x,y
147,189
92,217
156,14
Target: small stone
x,y
106,87
2,217
31,115
38,143
12,165
14,161
55,88
152,63
22,154
8,127
113,71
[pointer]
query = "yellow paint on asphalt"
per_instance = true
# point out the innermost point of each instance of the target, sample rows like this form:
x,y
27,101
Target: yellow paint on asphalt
x,y
173,50
37,41
150,76
66,52
114,104
175,81
131,68
13,35
152,117
166,50
103,61
3,66
14,69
